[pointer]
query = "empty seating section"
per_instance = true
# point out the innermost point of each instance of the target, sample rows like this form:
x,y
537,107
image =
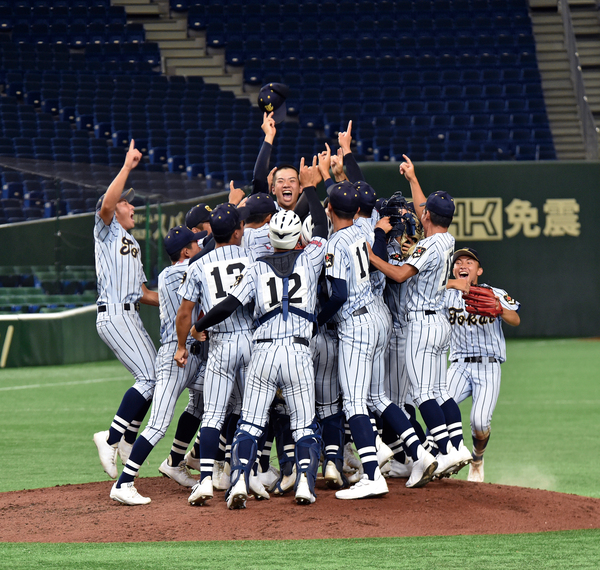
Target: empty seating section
x,y
27,289
391,59
438,80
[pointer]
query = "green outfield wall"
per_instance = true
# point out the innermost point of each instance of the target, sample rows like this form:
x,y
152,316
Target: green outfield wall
x,y
533,224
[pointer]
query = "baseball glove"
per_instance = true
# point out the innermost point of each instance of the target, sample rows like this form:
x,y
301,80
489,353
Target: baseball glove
x,y
482,301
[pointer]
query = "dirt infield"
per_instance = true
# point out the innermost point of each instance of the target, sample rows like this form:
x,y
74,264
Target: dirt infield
x,y
85,513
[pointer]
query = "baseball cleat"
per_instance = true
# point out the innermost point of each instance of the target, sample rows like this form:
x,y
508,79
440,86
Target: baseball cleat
x,y
400,470
384,453
181,473
128,495
423,470
351,462
124,450
461,457
221,476
365,488
269,478
107,454
238,494
257,488
285,483
192,461
303,494
333,478
201,492
476,472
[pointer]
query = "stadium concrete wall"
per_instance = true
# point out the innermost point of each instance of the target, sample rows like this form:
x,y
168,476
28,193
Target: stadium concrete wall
x,y
534,224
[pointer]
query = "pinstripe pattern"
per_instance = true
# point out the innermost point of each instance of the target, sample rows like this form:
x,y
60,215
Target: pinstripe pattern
x,y
473,335
426,344
210,279
348,247
433,259
325,360
482,382
378,399
367,226
256,241
394,293
119,269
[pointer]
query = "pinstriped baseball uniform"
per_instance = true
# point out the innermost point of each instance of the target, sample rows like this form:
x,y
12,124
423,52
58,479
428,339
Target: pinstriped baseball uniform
x,y
284,358
475,336
397,385
209,280
428,328
359,332
256,240
120,276
170,379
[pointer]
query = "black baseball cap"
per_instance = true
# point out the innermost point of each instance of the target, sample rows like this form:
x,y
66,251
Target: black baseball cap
x,y
197,215
225,218
344,197
271,99
177,238
259,203
468,252
440,203
128,195
368,197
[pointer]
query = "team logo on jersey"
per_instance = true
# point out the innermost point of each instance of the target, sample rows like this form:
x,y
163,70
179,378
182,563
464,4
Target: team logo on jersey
x,y
509,300
127,249
419,251
316,242
396,257
183,278
238,279
329,260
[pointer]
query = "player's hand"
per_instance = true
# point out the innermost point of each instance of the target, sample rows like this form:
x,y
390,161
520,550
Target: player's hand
x,y
325,162
407,169
133,156
236,195
181,357
309,175
268,127
384,224
337,165
345,138
201,336
270,179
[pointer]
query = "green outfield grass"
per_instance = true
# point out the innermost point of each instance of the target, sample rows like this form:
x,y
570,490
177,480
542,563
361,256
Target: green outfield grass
x,y
544,435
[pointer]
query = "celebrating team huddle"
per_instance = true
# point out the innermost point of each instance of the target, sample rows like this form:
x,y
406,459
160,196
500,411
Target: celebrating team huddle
x,y
341,316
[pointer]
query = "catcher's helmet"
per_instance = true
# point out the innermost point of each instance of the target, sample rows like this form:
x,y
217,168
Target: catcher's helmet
x,y
284,229
307,229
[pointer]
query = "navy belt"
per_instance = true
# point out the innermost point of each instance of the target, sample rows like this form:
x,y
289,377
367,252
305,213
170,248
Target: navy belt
x,y
296,339
360,311
126,306
476,359
429,312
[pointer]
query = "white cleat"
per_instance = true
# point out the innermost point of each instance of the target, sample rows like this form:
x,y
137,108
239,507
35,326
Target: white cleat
x,y
465,457
257,488
476,471
124,450
351,461
400,470
107,454
128,495
219,477
333,478
238,494
384,453
201,492
192,461
286,483
423,470
181,473
269,478
365,488
303,494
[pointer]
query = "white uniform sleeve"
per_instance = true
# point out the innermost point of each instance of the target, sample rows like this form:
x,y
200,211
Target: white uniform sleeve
x,y
245,288
190,288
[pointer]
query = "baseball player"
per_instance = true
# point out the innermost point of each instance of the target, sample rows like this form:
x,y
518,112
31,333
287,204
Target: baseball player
x,y
209,280
283,288
477,348
181,245
428,270
121,287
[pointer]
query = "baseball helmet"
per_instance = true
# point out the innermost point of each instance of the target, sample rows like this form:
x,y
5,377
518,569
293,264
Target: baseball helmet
x,y
308,227
284,229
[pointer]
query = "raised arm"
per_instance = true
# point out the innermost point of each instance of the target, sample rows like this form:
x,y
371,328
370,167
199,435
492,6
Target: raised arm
x,y
407,169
